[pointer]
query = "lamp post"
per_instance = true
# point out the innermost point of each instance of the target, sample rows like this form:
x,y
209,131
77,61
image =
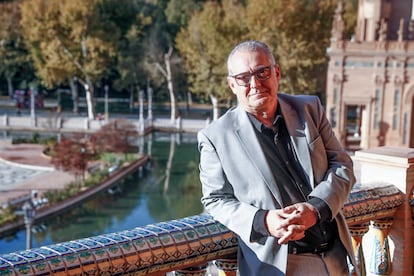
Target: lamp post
x,y
106,88
29,212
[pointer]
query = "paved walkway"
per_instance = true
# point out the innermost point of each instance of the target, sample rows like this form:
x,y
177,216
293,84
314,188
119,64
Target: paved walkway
x,y
24,168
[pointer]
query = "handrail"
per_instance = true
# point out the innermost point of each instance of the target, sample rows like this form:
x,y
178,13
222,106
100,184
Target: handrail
x,y
144,250
168,246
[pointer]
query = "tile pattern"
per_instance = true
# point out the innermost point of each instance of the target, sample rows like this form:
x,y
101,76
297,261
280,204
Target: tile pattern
x,y
12,176
163,246
371,203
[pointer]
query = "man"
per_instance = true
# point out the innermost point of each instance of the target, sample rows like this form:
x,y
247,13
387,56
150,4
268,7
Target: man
x,y
273,172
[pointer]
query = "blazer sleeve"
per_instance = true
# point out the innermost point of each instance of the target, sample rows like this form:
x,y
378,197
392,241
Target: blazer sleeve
x,y
332,166
218,195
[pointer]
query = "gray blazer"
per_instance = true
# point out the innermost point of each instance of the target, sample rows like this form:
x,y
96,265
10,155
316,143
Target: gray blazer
x,y
237,181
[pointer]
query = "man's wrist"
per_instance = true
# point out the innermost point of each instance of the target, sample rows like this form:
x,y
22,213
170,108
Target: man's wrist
x,y
323,211
260,223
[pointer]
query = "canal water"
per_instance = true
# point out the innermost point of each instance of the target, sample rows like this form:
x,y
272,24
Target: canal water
x,y
167,189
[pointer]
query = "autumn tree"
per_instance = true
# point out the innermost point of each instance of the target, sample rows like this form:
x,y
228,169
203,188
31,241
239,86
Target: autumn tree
x,y
297,31
116,136
70,40
72,155
204,45
14,57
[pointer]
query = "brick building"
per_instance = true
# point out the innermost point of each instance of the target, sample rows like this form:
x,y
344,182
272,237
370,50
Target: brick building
x,y
370,81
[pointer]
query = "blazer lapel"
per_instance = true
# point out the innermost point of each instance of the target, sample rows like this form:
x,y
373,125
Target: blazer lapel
x,y
297,131
245,133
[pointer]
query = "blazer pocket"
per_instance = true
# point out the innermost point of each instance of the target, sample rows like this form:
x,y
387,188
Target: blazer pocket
x,y
319,159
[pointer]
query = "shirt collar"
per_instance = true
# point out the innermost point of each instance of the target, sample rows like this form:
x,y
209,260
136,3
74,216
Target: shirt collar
x,y
264,129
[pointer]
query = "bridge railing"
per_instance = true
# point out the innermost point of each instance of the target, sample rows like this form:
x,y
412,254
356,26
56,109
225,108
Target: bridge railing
x,y
184,245
378,214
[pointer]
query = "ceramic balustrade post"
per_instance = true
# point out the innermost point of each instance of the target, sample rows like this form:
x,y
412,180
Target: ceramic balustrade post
x,y
357,233
192,271
380,262
226,267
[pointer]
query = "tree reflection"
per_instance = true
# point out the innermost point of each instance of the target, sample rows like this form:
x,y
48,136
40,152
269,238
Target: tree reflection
x,y
181,192
169,163
140,201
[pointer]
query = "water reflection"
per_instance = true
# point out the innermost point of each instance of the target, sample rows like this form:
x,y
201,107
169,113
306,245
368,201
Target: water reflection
x,y
169,189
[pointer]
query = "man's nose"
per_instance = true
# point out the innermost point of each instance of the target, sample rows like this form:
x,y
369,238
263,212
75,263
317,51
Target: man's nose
x,y
254,82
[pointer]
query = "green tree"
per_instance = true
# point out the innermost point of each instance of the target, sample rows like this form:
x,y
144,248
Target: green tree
x,y
297,31
204,45
70,39
14,57
178,13
134,19
160,58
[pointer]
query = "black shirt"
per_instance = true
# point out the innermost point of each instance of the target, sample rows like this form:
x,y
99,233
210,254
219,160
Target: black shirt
x,y
291,181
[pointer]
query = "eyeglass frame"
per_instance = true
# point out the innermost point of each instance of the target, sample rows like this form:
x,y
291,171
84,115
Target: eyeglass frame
x,y
251,74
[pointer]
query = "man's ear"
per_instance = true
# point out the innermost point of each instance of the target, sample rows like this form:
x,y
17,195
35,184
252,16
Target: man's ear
x,y
277,70
230,82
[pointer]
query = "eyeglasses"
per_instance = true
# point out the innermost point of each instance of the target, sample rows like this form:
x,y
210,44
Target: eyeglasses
x,y
261,74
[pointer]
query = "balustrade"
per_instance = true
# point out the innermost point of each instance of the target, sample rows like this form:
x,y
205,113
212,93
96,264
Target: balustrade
x,y
189,246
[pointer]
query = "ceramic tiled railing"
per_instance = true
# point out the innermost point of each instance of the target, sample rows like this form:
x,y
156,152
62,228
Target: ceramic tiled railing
x,y
179,244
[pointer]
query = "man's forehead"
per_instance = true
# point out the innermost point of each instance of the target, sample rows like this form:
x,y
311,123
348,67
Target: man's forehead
x,y
245,60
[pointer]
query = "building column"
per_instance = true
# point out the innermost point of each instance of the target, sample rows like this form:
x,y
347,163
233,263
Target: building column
x,y
364,127
394,165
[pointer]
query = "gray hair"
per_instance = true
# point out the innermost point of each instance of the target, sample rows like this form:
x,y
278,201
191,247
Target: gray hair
x,y
250,46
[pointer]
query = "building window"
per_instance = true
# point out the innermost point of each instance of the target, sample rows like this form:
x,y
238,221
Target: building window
x,y
405,127
377,109
395,109
335,106
358,63
335,99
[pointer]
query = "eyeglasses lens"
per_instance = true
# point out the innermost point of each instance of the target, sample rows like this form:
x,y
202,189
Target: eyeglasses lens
x,y
261,74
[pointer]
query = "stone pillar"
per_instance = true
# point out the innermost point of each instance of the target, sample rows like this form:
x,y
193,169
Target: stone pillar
x,y
394,165
6,120
86,124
